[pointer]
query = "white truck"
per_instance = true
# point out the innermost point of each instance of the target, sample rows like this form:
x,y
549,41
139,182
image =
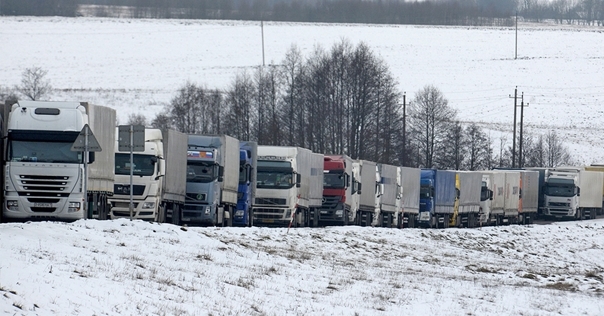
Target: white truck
x,y
371,193
44,178
391,199
158,178
410,178
468,184
499,199
340,192
212,180
572,193
289,185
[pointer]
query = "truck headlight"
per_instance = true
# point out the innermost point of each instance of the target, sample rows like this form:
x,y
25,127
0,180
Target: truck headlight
x,y
207,211
339,213
73,207
148,205
12,205
239,213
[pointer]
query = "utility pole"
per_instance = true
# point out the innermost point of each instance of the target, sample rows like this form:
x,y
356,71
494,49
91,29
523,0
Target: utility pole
x,y
514,136
404,128
262,31
520,164
516,51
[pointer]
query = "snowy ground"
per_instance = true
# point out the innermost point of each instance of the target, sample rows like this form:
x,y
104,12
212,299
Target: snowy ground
x,y
127,267
136,66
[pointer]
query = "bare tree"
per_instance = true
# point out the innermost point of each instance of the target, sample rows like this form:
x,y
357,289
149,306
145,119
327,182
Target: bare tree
x,y
430,116
33,83
557,154
478,148
137,119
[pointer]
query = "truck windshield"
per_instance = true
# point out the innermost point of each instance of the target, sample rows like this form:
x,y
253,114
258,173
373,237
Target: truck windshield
x,y
559,190
43,151
274,179
201,172
144,165
334,180
425,192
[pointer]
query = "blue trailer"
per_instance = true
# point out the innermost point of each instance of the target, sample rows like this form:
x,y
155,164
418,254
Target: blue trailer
x,y
248,159
437,197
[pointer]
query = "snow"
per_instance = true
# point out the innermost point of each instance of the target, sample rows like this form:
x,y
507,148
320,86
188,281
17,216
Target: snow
x,y
127,267
137,66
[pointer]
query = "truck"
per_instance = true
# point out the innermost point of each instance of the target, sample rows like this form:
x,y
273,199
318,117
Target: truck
x,y
289,186
529,197
468,185
572,193
248,160
391,200
437,197
339,186
46,176
212,180
410,179
371,193
158,178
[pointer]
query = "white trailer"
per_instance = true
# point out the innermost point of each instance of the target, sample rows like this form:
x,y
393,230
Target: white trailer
x,y
529,197
390,205
410,178
371,192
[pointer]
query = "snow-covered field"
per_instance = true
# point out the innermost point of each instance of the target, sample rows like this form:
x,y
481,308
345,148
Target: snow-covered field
x,y
136,66
127,267
135,268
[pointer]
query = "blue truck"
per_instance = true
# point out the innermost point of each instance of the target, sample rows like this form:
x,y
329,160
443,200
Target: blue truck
x,y
248,159
437,198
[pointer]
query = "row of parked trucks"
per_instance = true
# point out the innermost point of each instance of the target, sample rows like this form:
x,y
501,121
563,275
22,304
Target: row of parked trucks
x,y
219,180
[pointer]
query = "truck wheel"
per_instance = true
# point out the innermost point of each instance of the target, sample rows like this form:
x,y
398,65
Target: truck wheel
x,y
161,214
346,218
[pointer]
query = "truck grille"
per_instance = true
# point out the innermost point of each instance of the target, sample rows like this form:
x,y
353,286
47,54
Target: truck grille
x,y
271,201
123,189
196,196
330,201
33,183
269,213
562,204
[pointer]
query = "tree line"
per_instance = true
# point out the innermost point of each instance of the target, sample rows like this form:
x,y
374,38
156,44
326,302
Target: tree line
x,y
444,12
345,101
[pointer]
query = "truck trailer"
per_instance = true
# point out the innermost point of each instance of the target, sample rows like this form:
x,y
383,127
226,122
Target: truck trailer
x,y
47,177
410,179
158,182
371,193
289,186
212,180
391,203
468,185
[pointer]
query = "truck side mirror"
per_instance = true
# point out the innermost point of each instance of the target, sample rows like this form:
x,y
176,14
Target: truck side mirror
x,y
359,186
91,157
347,179
298,180
578,191
220,173
490,194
